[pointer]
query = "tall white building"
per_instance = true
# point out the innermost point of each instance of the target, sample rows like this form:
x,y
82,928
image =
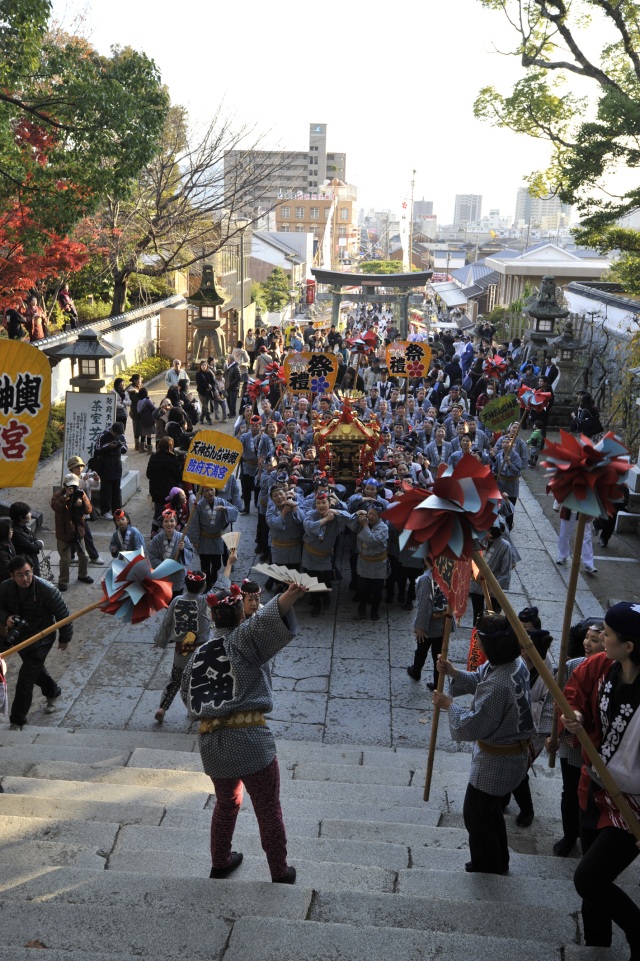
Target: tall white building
x,y
467,210
544,213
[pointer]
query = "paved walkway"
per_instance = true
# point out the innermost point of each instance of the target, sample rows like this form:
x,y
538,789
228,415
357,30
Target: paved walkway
x,y
342,679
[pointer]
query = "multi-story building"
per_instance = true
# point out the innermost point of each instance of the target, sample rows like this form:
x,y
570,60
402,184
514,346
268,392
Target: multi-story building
x,y
422,208
312,212
281,174
467,210
544,213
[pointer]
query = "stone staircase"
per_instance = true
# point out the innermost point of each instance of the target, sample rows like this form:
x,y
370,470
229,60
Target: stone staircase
x,y
104,856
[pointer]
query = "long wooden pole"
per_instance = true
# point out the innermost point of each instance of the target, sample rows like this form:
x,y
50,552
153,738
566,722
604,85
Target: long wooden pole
x,y
590,750
52,628
436,714
566,627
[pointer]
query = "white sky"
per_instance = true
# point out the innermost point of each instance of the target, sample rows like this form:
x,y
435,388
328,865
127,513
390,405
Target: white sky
x,y
396,94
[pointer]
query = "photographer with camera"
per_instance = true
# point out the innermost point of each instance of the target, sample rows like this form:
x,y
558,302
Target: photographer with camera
x,y
70,505
29,605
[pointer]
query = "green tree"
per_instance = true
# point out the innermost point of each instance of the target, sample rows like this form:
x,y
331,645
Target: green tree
x,y
380,266
276,289
74,125
592,135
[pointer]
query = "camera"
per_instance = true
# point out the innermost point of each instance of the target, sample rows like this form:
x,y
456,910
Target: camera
x,y
19,626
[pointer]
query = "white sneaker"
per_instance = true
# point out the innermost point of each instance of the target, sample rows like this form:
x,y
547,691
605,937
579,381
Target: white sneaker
x,y
73,562
591,570
108,516
561,561
96,561
51,705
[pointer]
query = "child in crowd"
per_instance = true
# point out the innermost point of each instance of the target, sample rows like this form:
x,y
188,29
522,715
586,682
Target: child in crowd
x,y
536,442
126,537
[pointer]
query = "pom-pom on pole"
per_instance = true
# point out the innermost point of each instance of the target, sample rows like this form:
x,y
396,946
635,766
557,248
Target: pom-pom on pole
x,y
131,591
583,477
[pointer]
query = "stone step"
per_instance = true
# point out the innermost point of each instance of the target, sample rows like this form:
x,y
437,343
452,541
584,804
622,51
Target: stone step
x,y
52,854
74,886
267,940
75,889
187,843
324,875
88,834
523,890
18,761
48,807
434,914
131,794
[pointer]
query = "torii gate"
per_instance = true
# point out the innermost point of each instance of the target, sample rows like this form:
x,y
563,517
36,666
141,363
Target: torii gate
x,y
405,282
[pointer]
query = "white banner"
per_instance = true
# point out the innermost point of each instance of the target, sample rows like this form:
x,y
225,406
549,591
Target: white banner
x,y
86,417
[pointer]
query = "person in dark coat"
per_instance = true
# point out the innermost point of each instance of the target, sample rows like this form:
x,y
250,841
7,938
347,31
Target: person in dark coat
x,y
40,605
232,383
7,550
164,471
24,540
110,447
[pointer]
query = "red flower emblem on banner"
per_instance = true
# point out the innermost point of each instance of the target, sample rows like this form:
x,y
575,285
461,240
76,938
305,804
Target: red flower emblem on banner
x,y
415,369
586,477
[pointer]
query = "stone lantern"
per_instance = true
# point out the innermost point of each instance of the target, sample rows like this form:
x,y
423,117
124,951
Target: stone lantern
x,y
205,323
543,313
565,348
90,353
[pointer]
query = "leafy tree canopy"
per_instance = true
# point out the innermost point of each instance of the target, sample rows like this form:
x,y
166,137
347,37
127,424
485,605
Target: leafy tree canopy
x,y
74,125
276,289
381,266
594,135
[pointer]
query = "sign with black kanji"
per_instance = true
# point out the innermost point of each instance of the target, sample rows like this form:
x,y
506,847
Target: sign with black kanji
x,y
407,358
25,401
310,373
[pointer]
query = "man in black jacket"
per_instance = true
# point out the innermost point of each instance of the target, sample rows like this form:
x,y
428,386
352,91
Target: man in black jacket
x,y
110,447
39,604
232,383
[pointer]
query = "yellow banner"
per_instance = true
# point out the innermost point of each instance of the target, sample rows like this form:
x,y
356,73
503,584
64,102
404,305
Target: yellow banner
x,y
25,400
212,459
408,358
310,373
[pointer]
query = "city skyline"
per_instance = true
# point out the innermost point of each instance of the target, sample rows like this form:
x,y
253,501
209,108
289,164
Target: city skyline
x,y
261,84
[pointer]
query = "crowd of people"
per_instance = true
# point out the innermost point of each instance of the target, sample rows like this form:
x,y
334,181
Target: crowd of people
x,y
224,638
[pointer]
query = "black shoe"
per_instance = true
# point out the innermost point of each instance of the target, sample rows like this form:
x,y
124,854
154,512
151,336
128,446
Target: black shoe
x,y
86,580
469,868
235,862
525,820
563,848
288,878
408,606
431,685
375,616
62,587
244,512
413,674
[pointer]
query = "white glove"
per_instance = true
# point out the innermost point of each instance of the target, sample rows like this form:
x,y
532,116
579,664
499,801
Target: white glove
x,y
40,545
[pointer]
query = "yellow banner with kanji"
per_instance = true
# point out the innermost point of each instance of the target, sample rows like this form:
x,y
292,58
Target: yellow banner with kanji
x,y
310,373
25,401
211,459
407,358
